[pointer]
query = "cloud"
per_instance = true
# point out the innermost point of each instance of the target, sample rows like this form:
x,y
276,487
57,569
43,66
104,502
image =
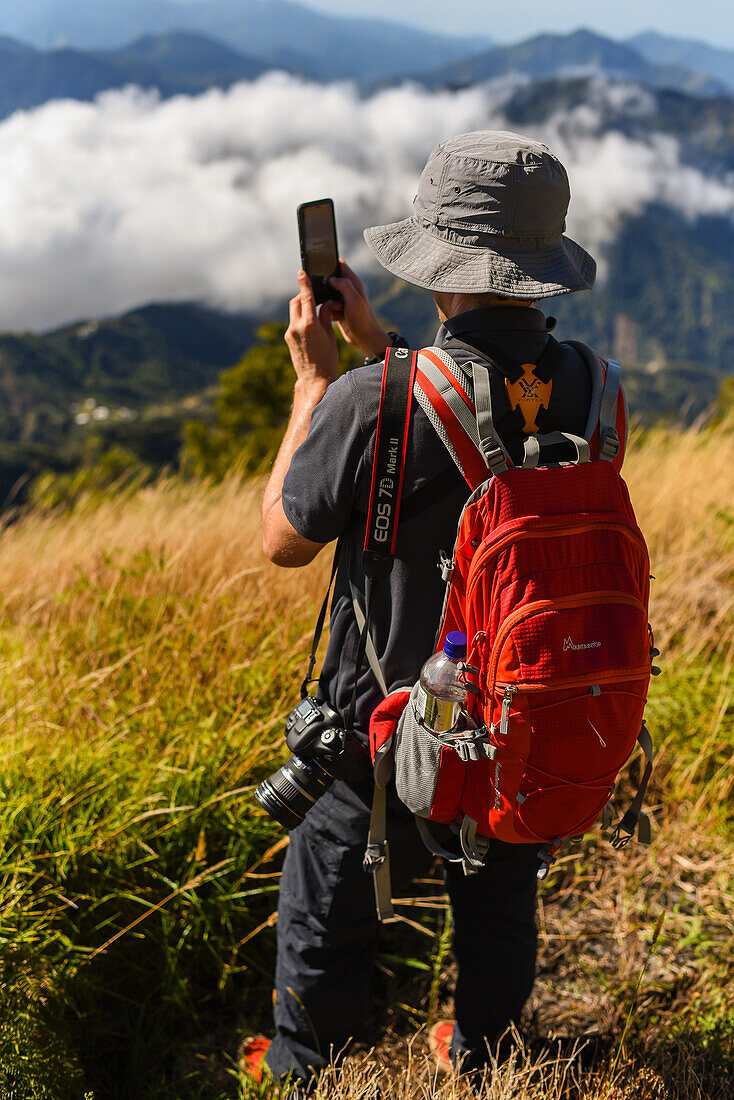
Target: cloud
x,y
126,200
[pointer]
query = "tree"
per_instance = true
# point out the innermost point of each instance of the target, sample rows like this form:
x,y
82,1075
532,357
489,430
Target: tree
x,y
251,409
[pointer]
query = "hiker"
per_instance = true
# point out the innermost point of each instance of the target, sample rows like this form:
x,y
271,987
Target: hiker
x,y
486,238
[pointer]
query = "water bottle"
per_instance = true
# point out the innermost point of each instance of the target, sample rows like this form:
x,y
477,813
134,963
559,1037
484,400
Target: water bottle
x,y
442,690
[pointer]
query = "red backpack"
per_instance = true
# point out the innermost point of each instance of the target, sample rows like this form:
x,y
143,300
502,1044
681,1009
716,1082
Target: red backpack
x,y
549,580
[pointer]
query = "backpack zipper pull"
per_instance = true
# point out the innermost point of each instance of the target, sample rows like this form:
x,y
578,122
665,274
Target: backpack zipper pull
x,y
506,703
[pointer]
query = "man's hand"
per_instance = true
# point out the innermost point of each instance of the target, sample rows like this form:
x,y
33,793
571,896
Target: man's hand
x,y
356,318
311,340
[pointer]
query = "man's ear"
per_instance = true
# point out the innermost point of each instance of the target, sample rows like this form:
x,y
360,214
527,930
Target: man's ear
x,y
443,303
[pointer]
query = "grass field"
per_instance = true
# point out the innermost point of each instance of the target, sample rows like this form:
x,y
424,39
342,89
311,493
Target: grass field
x,y
148,657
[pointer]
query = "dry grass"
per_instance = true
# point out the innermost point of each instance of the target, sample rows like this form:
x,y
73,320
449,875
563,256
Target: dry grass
x,y
681,483
682,488
148,657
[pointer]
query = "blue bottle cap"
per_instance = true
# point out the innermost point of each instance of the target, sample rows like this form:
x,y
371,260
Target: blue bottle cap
x,y
455,644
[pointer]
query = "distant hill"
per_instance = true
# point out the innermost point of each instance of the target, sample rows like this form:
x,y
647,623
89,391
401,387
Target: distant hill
x,y
174,63
140,368
703,126
704,58
275,32
548,55
184,60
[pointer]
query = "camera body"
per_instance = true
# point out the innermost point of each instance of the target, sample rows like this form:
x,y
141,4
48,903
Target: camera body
x,y
315,729
315,734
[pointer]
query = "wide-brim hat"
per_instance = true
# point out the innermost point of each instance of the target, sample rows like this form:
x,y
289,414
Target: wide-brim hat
x,y
489,216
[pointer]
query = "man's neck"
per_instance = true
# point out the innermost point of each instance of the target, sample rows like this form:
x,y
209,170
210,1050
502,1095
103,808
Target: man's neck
x,y
451,305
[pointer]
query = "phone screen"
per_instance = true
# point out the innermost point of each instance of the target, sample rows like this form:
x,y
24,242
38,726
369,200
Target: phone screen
x,y
319,253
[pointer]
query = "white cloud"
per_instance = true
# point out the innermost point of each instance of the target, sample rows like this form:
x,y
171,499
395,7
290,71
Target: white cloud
x,y
126,200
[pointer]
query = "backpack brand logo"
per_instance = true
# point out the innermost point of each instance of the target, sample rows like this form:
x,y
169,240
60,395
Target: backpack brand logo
x,y
569,643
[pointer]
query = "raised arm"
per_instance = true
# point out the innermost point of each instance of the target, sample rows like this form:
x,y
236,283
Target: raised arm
x,y
312,344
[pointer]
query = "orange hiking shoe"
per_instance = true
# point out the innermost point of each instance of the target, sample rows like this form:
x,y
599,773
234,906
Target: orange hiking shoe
x,y
251,1054
439,1044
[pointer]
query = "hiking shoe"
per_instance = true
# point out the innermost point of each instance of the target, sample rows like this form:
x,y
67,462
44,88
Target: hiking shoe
x,y
439,1044
251,1054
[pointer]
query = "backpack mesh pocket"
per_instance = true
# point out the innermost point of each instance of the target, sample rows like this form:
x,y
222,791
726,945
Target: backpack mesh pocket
x,y
417,760
429,775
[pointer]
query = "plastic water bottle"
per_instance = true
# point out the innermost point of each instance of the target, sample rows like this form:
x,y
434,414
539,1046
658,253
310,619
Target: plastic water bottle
x,y
442,690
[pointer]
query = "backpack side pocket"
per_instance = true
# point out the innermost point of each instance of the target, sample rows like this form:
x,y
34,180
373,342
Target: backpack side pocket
x,y
429,775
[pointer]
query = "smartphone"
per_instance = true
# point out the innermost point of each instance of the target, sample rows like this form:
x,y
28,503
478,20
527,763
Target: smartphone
x,y
319,252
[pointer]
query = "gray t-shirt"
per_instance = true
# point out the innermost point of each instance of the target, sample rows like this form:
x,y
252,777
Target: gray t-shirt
x,y
326,494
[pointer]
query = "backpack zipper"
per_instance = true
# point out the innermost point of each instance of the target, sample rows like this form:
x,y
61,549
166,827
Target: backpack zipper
x,y
510,690
579,681
554,530
562,602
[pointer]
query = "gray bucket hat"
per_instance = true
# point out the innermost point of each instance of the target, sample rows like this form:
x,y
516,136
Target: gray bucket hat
x,y
489,217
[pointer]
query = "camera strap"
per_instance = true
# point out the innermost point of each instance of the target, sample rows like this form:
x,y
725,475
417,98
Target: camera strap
x,y
310,678
383,513
386,487
391,443
388,463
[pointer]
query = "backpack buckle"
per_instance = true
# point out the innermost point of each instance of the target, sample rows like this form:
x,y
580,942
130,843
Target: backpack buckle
x,y
446,565
610,443
470,743
547,857
494,456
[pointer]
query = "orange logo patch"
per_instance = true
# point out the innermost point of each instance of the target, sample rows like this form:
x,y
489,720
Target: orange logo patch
x,y
528,394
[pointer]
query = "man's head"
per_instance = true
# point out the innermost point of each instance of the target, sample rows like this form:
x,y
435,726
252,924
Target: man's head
x,y
488,218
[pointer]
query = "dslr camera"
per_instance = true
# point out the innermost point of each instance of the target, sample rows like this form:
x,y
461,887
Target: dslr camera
x,y
315,734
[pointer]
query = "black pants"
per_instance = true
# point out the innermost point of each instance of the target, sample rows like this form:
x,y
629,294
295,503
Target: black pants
x,y
327,933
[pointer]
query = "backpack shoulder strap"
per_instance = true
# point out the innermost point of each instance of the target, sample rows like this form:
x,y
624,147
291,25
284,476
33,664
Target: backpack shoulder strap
x,y
495,455
609,439
452,413
604,410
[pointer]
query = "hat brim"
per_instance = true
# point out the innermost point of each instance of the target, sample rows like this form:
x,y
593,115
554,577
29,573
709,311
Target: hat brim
x,y
411,252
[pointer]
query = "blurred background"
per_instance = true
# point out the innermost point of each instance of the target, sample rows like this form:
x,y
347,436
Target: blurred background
x,y
153,154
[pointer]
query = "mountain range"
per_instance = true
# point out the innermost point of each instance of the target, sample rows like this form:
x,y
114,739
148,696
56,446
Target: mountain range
x,y
288,34
583,50
277,32
188,62
698,56
138,371
174,63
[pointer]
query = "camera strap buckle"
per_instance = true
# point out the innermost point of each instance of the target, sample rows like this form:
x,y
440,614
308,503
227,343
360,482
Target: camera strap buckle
x,y
377,856
374,857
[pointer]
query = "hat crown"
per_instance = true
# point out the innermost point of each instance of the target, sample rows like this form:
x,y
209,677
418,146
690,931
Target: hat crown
x,y
495,182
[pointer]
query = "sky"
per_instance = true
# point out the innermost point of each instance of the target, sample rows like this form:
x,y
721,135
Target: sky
x,y
503,21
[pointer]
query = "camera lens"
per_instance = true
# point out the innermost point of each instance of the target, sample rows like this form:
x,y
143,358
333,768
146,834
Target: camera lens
x,y
290,792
